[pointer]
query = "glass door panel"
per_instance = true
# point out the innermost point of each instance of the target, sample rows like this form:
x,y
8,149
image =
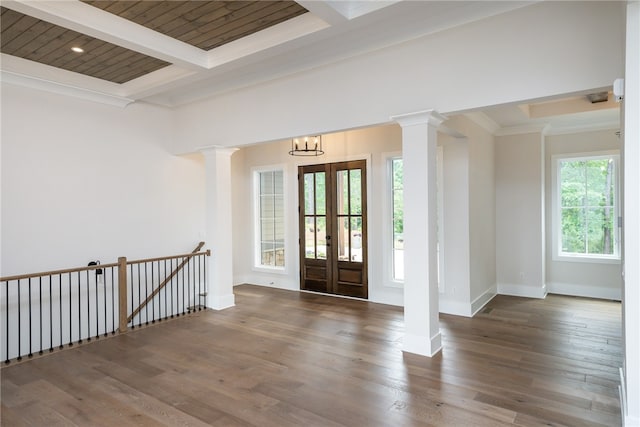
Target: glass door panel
x,y
333,210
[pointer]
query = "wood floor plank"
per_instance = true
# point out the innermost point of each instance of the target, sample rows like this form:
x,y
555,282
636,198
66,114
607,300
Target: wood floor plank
x,y
283,358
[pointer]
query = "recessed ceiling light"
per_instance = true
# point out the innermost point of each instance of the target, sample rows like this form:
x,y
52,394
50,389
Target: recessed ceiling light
x,y
77,49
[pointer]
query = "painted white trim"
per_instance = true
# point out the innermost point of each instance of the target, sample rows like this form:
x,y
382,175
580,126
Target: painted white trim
x,y
221,302
562,129
482,300
387,221
519,130
556,253
456,308
255,171
522,290
63,89
461,308
600,292
484,121
440,252
94,22
422,346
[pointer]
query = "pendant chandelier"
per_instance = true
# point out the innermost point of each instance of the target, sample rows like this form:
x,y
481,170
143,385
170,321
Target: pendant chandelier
x,y
307,146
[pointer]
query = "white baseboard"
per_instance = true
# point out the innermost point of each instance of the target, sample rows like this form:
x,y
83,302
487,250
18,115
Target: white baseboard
x,y
461,308
631,421
478,303
278,282
573,289
220,302
623,395
421,345
457,308
539,292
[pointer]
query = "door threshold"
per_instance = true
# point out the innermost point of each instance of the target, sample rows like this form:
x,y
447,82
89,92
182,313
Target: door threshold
x,y
334,295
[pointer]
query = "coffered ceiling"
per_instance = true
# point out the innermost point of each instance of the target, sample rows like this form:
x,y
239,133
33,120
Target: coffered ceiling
x,y
175,52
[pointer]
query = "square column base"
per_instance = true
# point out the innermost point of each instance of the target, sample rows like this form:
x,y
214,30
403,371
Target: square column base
x,y
421,345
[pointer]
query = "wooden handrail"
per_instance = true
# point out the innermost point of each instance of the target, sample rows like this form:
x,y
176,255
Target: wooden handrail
x,y
56,272
167,279
164,258
100,266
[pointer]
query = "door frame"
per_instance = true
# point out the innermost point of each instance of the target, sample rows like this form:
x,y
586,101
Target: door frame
x,y
367,158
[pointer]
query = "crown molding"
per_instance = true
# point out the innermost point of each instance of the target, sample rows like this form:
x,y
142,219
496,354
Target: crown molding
x,y
579,128
62,89
484,121
519,130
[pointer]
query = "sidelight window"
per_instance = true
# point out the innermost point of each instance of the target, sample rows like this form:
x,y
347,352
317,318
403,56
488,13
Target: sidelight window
x,y
270,220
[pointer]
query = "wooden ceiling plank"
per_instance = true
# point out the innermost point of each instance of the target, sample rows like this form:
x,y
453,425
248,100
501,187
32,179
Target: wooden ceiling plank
x,y
92,48
8,18
64,54
246,25
24,39
90,62
199,36
137,9
46,42
160,8
117,58
189,18
117,7
129,72
248,28
188,32
51,50
35,42
19,27
132,70
114,56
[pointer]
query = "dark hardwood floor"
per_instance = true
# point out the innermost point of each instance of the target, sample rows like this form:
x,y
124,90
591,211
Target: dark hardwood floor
x,y
282,358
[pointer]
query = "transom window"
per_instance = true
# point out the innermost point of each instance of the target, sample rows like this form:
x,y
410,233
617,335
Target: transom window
x,y
586,207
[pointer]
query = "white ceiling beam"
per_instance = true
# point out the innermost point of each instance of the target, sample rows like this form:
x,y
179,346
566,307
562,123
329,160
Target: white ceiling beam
x,y
269,37
324,11
108,27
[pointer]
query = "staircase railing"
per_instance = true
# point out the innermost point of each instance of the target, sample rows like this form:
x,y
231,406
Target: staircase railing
x,y
53,309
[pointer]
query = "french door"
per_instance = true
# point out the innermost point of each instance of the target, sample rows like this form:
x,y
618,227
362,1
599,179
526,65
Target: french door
x,y
333,228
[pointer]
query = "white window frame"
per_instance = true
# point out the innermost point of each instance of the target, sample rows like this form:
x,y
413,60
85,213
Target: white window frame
x,y
257,241
440,219
556,213
387,240
387,229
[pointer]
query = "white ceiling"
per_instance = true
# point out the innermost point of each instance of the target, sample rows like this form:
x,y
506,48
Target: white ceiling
x,y
561,115
331,31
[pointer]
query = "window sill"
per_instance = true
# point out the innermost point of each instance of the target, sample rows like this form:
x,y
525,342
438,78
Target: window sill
x,y
586,259
271,270
394,284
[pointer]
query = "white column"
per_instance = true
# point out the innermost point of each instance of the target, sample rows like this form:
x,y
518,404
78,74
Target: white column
x,y
631,224
219,231
419,139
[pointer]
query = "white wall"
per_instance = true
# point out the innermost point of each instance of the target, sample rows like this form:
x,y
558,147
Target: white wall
x,y
455,294
501,59
83,181
589,279
482,211
631,254
371,144
469,218
519,215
